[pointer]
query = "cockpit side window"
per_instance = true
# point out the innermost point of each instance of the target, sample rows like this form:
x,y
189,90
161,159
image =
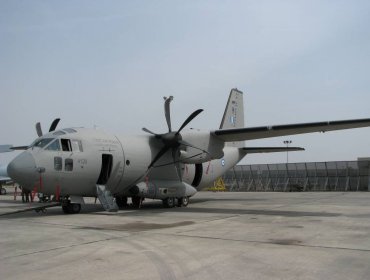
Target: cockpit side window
x,y
69,145
54,146
66,145
76,145
42,142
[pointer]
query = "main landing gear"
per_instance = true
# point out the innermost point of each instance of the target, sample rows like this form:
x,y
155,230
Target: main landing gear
x,y
137,201
121,201
170,202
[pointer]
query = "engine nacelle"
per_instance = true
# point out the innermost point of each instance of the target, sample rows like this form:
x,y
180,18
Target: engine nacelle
x,y
194,156
204,147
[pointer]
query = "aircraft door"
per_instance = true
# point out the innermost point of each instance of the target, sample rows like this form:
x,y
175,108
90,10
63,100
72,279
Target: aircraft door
x,y
109,161
106,169
112,168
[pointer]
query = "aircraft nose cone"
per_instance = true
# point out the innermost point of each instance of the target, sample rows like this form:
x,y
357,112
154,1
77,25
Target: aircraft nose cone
x,y
22,169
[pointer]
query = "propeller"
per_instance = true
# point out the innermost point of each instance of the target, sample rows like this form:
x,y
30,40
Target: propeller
x,y
172,140
53,126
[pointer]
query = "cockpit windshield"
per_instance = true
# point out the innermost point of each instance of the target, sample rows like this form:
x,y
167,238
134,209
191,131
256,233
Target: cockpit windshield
x,y
41,142
54,146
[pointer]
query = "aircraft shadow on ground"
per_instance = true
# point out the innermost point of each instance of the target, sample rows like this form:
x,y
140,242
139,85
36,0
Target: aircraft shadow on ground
x,y
156,207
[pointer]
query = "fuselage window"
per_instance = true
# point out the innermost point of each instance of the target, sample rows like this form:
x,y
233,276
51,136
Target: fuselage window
x,y
54,146
68,164
77,146
66,145
58,163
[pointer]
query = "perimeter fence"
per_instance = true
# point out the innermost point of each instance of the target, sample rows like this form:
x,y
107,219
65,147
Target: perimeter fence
x,y
312,176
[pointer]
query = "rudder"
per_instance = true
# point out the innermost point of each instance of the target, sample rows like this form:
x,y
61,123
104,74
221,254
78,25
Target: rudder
x,y
234,114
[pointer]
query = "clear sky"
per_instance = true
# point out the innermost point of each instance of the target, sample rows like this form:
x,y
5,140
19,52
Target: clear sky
x,y
109,63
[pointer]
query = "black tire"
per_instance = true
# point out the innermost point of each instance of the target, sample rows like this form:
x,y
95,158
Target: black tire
x,y
169,202
121,202
74,208
65,209
71,208
3,191
184,201
136,201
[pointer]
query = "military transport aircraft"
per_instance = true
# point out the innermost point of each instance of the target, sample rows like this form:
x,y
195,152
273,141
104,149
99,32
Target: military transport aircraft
x,y
73,163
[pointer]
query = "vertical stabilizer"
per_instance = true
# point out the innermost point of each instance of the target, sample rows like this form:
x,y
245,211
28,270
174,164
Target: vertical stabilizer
x,y
234,114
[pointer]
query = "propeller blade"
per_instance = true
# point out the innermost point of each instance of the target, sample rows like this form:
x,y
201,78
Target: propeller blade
x,y
159,155
147,130
54,124
167,111
175,157
189,119
38,129
19,148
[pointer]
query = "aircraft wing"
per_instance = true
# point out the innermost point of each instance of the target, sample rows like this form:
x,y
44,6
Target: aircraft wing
x,y
252,133
3,171
5,179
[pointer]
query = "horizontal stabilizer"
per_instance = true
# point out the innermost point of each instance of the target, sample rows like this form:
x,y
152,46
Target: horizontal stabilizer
x,y
241,134
257,150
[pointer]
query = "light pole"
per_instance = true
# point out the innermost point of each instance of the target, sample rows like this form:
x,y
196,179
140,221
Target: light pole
x,y
287,143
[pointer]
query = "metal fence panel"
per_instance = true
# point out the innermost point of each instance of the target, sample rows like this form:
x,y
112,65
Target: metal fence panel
x,y
311,176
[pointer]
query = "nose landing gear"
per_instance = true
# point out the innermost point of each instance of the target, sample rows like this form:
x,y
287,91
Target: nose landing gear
x,y
69,207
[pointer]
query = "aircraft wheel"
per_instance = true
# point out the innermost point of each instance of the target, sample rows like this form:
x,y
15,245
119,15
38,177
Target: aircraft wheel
x,y
169,202
3,191
184,201
75,208
136,201
65,209
71,208
121,201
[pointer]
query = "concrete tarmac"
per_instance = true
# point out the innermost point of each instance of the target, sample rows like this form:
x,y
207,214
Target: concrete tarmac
x,y
218,236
